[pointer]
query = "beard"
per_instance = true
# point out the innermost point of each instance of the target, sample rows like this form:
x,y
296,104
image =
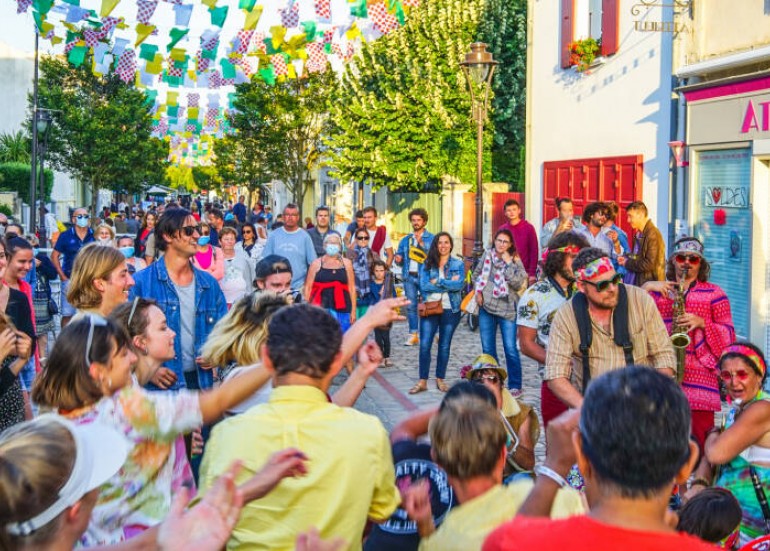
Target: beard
x,y
567,274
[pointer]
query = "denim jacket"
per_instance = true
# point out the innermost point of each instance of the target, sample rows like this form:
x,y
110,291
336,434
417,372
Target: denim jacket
x,y
403,251
154,283
455,267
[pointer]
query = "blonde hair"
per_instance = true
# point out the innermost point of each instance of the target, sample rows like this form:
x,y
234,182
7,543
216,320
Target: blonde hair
x,y
36,461
239,336
467,437
92,262
109,228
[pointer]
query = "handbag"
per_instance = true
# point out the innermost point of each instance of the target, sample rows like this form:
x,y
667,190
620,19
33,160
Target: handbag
x,y
430,308
469,304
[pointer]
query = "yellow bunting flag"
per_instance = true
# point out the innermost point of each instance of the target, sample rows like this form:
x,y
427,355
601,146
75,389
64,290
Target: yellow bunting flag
x,y
252,18
155,66
178,54
143,32
277,33
107,7
171,98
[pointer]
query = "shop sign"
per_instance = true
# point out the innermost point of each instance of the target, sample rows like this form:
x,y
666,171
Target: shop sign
x,y
756,117
736,197
644,6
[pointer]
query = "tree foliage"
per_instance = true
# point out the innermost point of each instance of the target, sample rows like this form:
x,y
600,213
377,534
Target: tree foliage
x,y
279,130
15,147
16,177
402,117
101,131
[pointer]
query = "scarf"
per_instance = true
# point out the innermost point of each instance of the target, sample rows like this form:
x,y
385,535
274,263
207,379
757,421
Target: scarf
x,y
491,260
361,271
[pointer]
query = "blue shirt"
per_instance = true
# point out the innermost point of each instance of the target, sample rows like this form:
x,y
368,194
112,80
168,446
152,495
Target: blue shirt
x,y
298,249
403,251
431,283
154,283
69,244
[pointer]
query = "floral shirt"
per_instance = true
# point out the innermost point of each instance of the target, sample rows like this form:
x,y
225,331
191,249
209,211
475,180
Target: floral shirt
x,y
538,306
139,495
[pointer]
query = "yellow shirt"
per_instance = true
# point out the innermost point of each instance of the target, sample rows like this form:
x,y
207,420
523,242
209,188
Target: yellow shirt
x,y
467,526
350,469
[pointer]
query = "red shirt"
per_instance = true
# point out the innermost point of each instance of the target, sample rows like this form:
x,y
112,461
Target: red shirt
x,y
583,533
525,238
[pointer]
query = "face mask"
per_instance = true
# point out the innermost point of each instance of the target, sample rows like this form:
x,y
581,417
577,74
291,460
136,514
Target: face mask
x,y
203,240
35,251
332,250
105,241
82,222
128,252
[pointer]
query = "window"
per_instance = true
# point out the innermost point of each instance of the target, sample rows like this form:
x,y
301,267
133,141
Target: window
x,y
582,19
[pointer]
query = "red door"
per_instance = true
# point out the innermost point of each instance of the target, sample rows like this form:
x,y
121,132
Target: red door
x,y
616,179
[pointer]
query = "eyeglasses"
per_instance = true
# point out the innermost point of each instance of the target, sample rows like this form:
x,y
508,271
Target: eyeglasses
x,y
362,237
741,375
247,232
494,379
691,258
502,242
94,321
133,310
83,216
602,286
189,231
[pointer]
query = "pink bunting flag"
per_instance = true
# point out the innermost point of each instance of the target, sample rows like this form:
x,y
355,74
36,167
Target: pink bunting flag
x,y
329,35
323,9
23,5
411,3
193,100
145,9
290,16
383,21
126,68
215,79
316,59
211,116
259,42
244,40
91,37
279,64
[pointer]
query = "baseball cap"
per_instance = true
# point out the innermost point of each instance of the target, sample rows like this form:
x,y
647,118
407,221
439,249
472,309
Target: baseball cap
x,y
100,452
272,264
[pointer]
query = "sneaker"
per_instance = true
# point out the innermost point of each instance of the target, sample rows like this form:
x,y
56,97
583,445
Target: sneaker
x,y
412,340
387,362
516,392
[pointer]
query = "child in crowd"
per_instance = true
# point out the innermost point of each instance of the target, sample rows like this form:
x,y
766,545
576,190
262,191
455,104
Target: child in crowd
x,y
714,516
382,287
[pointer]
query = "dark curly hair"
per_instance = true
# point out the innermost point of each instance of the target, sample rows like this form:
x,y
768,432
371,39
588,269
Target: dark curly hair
x,y
555,260
592,209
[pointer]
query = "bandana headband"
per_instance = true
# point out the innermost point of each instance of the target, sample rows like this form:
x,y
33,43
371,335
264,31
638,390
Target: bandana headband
x,y
749,354
594,269
569,249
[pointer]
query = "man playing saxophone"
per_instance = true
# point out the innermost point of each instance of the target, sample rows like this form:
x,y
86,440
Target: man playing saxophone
x,y
704,315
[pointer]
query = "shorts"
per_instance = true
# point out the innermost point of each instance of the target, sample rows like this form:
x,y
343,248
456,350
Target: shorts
x,y
65,308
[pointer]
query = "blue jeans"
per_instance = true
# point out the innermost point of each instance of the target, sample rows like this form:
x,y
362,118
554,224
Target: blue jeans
x,y
412,290
488,324
445,324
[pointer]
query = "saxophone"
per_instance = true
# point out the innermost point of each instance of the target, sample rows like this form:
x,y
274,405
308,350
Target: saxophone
x,y
680,340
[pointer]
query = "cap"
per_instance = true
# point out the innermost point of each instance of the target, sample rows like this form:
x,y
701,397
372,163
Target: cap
x,y
687,245
267,266
483,362
100,452
229,216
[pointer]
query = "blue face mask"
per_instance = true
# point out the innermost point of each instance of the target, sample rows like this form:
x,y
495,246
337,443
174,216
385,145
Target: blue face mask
x,y
128,252
332,250
203,240
82,222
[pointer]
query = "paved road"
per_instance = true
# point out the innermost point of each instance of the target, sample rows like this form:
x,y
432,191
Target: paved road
x,y
387,393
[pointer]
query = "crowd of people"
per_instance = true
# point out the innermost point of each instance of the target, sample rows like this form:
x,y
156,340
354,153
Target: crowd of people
x,y
199,344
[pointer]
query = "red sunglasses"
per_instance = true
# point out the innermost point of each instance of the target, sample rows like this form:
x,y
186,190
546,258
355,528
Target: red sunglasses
x,y
692,259
741,375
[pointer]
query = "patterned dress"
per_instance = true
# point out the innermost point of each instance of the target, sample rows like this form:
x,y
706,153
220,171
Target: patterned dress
x,y
701,375
139,495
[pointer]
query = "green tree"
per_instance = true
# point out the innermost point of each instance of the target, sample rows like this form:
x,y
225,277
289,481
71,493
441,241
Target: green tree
x,y
101,131
206,177
15,147
402,115
239,163
16,176
280,129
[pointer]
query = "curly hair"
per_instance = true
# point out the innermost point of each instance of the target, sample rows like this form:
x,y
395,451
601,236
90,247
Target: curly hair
x,y
555,260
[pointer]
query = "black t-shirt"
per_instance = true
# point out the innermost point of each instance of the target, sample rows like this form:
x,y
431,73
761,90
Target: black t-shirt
x,y
399,532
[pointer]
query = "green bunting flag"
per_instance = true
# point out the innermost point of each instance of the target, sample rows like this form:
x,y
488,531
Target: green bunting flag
x,y
176,35
77,55
218,15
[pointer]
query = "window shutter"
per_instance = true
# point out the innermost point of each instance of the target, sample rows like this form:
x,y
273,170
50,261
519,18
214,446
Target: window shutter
x,y
609,27
567,18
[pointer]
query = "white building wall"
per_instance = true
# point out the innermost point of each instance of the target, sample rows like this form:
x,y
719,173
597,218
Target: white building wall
x,y
622,107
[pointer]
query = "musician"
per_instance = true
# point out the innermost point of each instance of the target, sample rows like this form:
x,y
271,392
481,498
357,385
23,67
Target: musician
x,y
708,322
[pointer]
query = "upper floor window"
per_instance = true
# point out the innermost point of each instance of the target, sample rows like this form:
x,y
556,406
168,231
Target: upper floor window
x,y
581,19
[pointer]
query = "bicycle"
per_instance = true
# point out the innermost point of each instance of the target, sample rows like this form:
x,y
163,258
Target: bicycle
x,y
472,320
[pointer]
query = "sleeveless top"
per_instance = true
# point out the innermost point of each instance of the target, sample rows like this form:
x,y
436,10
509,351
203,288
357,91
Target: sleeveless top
x,y
330,289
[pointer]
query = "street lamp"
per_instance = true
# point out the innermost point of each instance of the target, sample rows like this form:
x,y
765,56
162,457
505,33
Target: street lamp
x,y
43,127
478,67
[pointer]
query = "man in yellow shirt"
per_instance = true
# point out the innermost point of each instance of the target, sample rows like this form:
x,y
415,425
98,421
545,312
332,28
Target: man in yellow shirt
x,y
469,443
350,467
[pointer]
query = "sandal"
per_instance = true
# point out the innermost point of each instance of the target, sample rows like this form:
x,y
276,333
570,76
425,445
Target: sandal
x,y
422,386
441,385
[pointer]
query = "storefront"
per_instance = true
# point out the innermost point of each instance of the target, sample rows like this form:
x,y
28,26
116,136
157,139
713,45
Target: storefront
x,y
728,136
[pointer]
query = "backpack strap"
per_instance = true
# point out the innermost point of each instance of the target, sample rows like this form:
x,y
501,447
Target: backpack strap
x,y
580,307
622,336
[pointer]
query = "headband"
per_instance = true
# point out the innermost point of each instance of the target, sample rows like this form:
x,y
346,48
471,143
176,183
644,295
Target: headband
x,y
749,354
569,249
595,268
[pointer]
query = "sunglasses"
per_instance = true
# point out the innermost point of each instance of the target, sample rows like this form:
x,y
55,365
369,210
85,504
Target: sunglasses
x,y
94,321
247,232
604,285
189,231
741,375
362,237
494,379
83,216
692,259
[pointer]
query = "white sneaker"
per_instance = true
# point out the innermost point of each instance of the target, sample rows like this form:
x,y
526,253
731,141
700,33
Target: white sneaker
x,y
412,340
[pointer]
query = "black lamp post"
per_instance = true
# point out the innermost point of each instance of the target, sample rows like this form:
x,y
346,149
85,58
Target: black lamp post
x,y
43,127
478,67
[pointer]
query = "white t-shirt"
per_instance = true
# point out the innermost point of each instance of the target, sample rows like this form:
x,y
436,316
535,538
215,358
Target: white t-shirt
x,y
385,246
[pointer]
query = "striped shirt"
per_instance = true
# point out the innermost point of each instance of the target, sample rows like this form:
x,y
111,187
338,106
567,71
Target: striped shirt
x,y
652,346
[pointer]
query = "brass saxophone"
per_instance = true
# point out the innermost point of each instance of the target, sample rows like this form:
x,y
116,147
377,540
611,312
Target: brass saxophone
x,y
680,340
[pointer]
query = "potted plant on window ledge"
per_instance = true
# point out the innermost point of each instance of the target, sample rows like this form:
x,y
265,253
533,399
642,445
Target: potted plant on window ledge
x,y
584,53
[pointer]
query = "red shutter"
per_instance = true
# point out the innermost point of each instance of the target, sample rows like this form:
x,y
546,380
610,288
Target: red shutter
x,y
567,18
609,27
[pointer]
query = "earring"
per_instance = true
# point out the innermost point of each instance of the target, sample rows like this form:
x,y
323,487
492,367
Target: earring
x,y
146,352
109,383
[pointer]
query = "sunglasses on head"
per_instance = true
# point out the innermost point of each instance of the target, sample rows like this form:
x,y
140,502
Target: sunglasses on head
x,y
189,231
604,285
691,258
741,375
94,321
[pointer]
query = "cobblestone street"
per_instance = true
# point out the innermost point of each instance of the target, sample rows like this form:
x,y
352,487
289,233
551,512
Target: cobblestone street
x,y
387,393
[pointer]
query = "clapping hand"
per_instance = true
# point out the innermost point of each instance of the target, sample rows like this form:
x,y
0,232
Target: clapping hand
x,y
369,358
385,311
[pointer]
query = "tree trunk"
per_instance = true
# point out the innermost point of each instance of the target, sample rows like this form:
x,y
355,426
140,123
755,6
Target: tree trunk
x,y
94,198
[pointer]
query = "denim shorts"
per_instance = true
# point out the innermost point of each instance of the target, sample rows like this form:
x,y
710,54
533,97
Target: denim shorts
x,y
66,309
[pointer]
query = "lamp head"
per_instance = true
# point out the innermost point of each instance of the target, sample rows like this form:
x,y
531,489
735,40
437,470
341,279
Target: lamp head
x,y
478,65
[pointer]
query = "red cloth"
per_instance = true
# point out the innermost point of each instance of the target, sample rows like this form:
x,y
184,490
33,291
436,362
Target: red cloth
x,y
701,378
379,240
339,293
582,533
525,238
550,406
26,288
702,422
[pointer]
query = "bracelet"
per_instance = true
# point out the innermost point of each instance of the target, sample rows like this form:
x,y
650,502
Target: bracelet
x,y
553,475
699,481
